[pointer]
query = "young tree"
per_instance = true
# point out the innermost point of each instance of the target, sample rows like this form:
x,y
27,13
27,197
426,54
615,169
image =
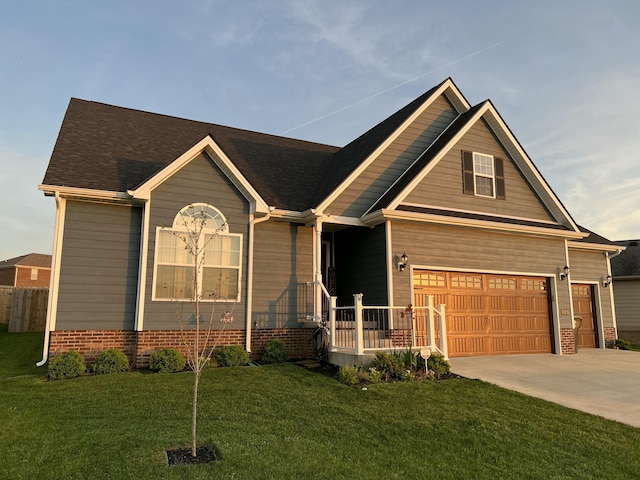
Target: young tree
x,y
195,236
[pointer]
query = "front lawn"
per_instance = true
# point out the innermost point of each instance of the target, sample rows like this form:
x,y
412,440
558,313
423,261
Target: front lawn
x,y
283,422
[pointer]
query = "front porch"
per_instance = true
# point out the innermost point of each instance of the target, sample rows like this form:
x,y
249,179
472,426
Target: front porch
x,y
356,332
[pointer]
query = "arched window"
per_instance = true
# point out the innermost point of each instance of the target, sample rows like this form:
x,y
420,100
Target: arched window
x,y
204,229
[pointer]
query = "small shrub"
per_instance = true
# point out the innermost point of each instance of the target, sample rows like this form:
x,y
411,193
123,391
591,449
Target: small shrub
x,y
374,375
111,361
231,356
167,360
623,344
437,364
66,365
275,352
348,374
388,365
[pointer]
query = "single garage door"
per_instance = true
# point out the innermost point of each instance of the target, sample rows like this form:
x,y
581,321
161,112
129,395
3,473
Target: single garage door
x,y
583,309
490,314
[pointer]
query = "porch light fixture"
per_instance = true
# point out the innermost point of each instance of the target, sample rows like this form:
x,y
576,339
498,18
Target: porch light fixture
x,y
402,262
564,273
607,281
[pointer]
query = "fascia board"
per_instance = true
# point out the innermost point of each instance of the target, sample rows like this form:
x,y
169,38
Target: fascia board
x,y
447,86
418,178
496,119
381,215
594,246
207,144
83,192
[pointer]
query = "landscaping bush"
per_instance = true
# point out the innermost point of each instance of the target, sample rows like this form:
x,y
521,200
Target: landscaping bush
x,y
231,356
275,352
388,365
167,360
437,364
66,365
410,359
623,344
348,374
111,361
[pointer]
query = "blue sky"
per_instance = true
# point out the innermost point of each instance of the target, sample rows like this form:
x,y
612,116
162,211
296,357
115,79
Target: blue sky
x,y
565,76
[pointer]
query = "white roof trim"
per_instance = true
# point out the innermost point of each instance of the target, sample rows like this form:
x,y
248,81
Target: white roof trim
x,y
207,144
382,215
593,246
455,97
83,192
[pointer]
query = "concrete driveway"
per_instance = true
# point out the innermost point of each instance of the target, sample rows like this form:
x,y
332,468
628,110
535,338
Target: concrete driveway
x,y
597,381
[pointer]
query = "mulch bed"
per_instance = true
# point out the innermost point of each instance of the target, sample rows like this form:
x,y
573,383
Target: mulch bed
x,y
182,456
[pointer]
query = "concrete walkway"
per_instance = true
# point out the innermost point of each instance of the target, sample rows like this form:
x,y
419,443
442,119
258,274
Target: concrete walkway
x,y
597,381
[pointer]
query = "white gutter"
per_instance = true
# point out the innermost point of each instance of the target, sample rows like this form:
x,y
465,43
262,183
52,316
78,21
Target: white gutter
x,y
52,303
249,309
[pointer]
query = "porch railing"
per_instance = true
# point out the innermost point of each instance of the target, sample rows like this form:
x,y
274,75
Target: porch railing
x,y
361,329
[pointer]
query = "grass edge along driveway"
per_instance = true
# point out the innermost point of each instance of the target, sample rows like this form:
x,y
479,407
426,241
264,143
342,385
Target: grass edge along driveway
x,y
283,422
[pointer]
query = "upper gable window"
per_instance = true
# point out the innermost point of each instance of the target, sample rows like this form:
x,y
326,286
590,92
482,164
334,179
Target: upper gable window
x,y
483,175
176,276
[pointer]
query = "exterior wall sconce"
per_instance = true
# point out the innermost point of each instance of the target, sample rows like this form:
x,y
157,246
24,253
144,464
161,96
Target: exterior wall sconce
x,y
564,273
402,262
607,281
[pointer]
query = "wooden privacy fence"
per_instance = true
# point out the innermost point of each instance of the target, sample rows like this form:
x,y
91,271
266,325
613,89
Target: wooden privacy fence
x,y
6,294
28,309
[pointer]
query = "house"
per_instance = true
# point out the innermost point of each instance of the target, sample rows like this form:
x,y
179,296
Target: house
x,y
625,269
433,229
27,271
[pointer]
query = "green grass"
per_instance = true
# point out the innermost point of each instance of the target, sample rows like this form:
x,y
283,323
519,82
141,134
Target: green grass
x,y
283,422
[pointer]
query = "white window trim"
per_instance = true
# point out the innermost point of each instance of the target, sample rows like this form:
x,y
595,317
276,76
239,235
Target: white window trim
x,y
484,175
176,228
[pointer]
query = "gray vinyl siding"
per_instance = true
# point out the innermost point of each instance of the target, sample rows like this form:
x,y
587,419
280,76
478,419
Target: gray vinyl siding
x,y
200,181
283,264
453,248
442,187
394,160
361,267
589,266
627,299
99,267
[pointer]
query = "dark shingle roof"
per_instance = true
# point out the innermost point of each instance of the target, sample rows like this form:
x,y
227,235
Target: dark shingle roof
x,y
594,237
110,148
29,260
627,264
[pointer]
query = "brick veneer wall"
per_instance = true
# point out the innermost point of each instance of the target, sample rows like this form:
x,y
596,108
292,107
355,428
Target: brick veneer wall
x,y
567,341
610,337
89,343
139,345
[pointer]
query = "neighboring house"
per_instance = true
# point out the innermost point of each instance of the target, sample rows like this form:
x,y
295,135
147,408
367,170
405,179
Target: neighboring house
x,y
626,281
32,270
438,201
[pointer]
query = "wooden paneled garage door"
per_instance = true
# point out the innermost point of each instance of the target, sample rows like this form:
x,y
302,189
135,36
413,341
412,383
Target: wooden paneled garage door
x,y
490,314
583,308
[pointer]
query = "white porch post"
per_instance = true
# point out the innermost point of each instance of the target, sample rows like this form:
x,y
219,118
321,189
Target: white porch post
x,y
357,302
443,330
332,323
430,326
317,267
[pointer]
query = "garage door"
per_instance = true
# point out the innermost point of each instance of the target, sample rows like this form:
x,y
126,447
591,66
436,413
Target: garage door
x,y
583,309
489,314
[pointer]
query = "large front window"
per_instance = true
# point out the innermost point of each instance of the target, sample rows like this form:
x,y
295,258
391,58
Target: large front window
x,y
198,231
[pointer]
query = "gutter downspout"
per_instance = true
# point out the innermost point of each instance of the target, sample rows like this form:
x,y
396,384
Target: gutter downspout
x,y
249,309
55,268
